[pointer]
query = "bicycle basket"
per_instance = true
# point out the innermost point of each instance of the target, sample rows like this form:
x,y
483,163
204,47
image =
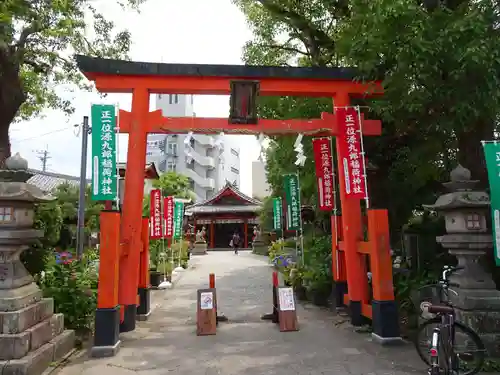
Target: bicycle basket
x,y
427,295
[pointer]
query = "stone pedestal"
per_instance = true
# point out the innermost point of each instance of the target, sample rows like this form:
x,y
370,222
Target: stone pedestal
x,y
199,248
478,302
31,335
260,248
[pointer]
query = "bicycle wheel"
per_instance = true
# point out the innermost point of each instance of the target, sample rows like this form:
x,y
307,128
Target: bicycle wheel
x,y
468,346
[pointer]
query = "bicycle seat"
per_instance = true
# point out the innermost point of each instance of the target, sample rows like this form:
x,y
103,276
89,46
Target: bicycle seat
x,y
440,309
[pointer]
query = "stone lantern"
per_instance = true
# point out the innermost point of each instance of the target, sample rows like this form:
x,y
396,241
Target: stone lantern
x,y
31,335
468,239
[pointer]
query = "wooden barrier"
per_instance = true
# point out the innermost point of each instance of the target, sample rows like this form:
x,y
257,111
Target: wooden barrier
x,y
287,313
206,312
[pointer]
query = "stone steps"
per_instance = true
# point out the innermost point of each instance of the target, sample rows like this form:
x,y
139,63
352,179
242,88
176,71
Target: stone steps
x,y
32,338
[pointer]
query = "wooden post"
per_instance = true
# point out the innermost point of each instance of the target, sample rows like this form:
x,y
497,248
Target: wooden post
x,y
338,261
144,308
211,280
275,286
206,314
245,230
384,308
132,208
107,317
352,231
212,234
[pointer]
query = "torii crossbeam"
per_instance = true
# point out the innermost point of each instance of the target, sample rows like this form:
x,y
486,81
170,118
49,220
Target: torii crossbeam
x,y
326,126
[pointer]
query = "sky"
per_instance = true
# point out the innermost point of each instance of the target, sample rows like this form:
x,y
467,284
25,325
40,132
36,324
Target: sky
x,y
187,31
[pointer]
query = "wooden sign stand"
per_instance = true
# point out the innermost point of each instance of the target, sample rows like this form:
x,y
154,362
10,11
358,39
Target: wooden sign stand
x,y
206,312
287,312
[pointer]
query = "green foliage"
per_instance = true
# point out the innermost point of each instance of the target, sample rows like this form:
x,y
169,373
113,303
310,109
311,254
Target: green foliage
x,y
429,59
37,41
73,288
57,220
171,184
161,256
174,184
318,264
266,215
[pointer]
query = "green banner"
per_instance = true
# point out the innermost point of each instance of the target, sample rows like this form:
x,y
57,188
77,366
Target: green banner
x,y
277,213
492,155
104,181
292,196
178,219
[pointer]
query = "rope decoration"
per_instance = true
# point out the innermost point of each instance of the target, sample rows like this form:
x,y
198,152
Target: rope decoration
x,y
246,131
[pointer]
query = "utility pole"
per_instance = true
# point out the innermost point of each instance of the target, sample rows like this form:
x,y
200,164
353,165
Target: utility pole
x,y
80,235
44,157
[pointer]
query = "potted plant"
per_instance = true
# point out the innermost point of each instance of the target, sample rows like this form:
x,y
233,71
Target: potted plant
x,y
155,277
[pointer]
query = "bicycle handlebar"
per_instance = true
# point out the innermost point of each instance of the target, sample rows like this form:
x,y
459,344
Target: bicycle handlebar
x,y
448,270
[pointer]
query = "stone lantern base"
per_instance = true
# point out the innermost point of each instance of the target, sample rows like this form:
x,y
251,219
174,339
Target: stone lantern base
x,y
31,335
260,248
199,248
480,310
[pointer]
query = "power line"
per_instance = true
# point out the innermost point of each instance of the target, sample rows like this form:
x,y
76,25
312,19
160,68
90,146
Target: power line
x,y
44,134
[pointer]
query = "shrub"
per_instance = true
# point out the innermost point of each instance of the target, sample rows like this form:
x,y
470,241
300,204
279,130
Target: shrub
x,y
72,284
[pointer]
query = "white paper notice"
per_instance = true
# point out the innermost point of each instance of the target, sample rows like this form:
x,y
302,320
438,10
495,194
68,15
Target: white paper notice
x,y
207,301
287,302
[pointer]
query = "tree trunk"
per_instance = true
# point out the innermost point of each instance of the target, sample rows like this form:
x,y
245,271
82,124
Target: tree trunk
x,y
12,96
470,150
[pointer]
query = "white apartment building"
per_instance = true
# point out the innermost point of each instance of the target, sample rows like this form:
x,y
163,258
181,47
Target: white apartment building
x,y
208,161
260,186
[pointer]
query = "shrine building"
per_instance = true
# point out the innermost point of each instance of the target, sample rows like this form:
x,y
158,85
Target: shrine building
x,y
228,211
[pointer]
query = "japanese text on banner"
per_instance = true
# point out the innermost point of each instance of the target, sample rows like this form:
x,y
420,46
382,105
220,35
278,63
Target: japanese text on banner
x,y
349,152
155,214
277,213
168,212
292,196
178,219
492,155
104,183
322,148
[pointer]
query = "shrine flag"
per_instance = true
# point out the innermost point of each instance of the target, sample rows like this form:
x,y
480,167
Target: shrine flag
x,y
349,152
155,214
168,213
322,148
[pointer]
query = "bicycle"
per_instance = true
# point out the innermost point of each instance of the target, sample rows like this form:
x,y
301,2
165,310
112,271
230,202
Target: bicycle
x,y
440,353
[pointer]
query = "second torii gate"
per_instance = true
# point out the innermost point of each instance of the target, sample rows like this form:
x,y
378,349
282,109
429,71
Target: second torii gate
x,y
143,79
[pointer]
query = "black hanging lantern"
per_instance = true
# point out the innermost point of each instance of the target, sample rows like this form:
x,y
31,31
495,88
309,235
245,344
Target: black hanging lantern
x,y
243,102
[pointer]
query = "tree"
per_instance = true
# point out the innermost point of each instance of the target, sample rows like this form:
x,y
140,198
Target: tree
x,y
171,184
407,163
37,41
441,64
174,184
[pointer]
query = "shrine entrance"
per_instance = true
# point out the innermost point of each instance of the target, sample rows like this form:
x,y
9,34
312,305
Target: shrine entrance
x,y
126,234
227,212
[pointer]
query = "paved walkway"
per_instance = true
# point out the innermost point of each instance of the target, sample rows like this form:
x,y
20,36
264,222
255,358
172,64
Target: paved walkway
x,y
167,343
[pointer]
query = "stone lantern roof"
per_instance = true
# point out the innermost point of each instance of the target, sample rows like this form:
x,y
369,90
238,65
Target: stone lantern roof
x,y
461,195
17,188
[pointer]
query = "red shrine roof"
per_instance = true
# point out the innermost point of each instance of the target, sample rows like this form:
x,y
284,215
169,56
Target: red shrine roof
x,y
228,199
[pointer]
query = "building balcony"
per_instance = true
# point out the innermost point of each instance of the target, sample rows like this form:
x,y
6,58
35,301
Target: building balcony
x,y
206,140
204,182
205,161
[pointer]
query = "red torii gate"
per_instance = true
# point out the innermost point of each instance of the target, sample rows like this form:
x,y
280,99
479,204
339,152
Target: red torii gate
x,y
143,79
